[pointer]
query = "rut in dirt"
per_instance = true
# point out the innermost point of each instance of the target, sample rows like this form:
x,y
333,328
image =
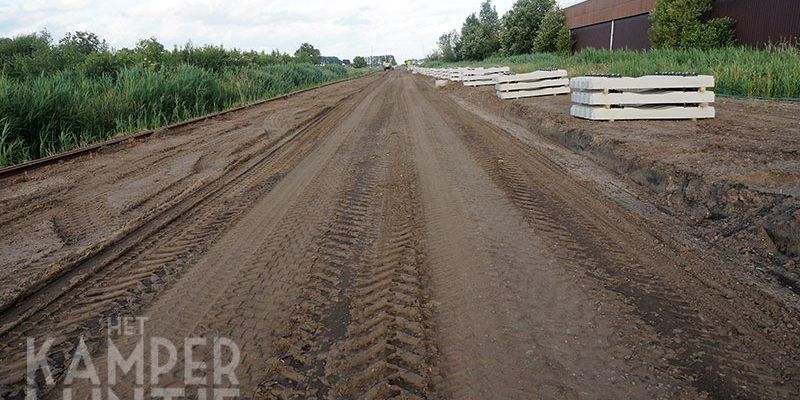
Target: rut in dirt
x,y
145,263
361,329
380,241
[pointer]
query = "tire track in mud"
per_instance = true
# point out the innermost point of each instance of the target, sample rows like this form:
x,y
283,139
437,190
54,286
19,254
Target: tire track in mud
x,y
200,192
321,316
121,194
388,351
251,278
483,273
705,355
244,286
360,329
143,270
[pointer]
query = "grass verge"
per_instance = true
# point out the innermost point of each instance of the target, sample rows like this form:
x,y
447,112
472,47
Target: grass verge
x,y
739,71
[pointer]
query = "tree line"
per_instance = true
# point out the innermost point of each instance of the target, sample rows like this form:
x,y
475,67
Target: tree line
x,y
539,26
38,54
530,26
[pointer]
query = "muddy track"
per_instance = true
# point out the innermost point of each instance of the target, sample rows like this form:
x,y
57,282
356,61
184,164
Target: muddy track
x,y
120,276
377,240
360,330
618,252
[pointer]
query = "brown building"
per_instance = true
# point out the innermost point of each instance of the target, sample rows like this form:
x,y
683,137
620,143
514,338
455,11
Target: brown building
x,y
620,24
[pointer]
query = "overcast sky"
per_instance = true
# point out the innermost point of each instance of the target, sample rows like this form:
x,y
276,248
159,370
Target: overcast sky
x,y
405,28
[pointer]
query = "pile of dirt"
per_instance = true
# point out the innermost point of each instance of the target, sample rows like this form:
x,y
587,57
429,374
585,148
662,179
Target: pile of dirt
x,y
736,178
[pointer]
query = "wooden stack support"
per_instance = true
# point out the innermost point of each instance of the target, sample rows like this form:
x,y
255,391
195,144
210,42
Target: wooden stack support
x,y
646,97
537,83
483,76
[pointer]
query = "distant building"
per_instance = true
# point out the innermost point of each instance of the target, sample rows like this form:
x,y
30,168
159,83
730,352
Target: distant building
x,y
620,24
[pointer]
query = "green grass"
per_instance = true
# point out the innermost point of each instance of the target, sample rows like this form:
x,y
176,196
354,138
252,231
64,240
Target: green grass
x,y
739,71
47,114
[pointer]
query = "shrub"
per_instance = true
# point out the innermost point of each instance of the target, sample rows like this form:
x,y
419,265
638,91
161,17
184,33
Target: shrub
x,y
676,24
307,54
359,62
448,44
521,25
98,64
553,36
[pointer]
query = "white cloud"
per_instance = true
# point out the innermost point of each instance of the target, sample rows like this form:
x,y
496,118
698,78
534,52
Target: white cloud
x,y
405,28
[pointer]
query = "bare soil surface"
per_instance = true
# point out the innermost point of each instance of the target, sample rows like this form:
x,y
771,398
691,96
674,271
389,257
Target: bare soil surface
x,y
735,178
381,238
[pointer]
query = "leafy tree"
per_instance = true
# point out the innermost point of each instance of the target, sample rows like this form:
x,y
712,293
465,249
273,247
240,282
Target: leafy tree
x,y
24,45
307,54
448,43
84,53
28,55
359,62
521,25
433,56
83,42
275,57
472,39
210,57
564,41
491,24
151,51
330,60
553,36
488,16
479,34
676,24
718,32
102,63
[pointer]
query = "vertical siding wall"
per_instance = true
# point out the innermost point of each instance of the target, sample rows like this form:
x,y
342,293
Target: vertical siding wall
x,y
629,33
593,12
590,23
596,36
758,22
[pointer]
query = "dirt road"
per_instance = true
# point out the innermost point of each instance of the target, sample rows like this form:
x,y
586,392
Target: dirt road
x,y
376,239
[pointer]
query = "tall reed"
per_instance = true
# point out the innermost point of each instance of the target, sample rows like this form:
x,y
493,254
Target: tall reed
x,y
47,114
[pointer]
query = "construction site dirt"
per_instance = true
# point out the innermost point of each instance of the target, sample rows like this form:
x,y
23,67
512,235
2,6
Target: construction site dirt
x,y
383,238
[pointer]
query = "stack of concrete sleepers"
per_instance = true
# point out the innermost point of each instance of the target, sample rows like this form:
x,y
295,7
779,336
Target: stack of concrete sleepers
x,y
455,73
537,83
439,73
669,96
482,76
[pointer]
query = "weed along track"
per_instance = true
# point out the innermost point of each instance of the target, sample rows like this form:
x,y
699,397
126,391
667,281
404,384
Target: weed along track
x,y
369,239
